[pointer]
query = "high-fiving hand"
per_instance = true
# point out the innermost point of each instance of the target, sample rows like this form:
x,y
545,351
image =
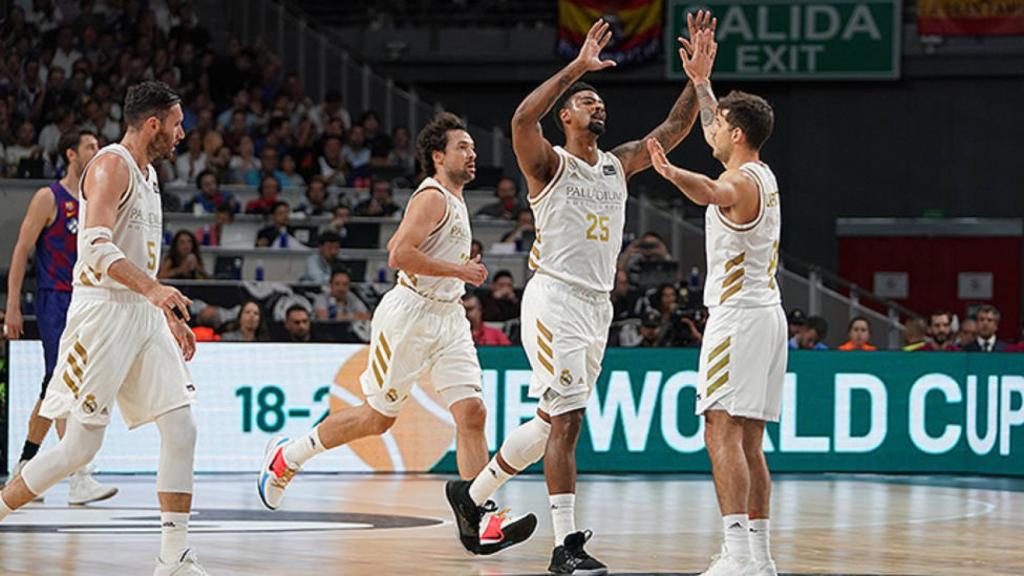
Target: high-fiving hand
x,y
590,53
659,161
697,53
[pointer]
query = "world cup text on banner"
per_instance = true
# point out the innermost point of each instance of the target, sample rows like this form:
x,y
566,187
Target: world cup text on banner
x,y
849,412
788,39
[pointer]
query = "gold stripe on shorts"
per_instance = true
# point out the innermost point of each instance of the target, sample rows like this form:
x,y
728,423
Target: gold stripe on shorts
x,y
376,373
544,346
384,344
81,352
719,349
70,384
544,362
718,367
544,331
718,384
380,359
73,362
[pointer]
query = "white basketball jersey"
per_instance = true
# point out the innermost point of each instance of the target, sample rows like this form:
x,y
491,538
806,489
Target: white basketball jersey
x,y
743,258
138,229
579,217
451,240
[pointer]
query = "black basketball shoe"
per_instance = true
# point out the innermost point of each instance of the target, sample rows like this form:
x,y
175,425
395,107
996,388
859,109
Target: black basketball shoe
x,y
571,558
500,532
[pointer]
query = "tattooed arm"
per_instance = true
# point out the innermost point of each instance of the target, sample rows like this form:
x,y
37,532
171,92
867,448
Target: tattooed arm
x,y
708,108
634,155
535,155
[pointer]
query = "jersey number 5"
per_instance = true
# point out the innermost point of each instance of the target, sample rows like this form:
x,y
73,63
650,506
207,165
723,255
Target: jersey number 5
x,y
151,252
598,227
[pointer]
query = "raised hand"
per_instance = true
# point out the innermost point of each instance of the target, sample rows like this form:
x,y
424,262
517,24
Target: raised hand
x,y
698,55
659,161
590,53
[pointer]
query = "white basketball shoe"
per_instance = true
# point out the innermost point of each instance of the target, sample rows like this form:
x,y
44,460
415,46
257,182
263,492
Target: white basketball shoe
x,y
85,488
762,569
725,565
187,565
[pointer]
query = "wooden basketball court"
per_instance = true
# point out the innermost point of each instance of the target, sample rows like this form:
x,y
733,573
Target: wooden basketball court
x,y
400,524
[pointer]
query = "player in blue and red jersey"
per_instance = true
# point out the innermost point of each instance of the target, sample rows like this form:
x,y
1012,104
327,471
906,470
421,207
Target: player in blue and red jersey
x,y
51,224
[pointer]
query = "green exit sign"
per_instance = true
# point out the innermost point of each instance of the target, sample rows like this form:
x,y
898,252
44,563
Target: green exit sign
x,y
796,39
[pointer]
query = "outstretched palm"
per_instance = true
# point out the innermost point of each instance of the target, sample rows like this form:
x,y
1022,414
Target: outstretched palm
x,y
590,53
697,53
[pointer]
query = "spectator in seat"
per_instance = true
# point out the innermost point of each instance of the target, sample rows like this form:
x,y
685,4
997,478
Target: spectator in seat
x,y
317,202
381,203
245,161
249,326
796,319
331,164
268,191
320,265
220,164
524,232
650,330
988,325
269,168
812,335
338,223
508,204
647,248
289,169
378,142
968,332
624,298
211,234
339,303
483,335
209,196
940,333
275,235
183,261
189,165
859,334
500,303
402,154
357,154
25,158
915,333
296,324
476,248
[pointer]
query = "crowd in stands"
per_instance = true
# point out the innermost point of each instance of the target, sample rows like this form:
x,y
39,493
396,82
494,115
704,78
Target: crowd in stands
x,y
250,123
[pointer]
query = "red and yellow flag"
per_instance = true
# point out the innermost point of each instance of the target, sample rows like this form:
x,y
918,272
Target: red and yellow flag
x,y
635,24
970,17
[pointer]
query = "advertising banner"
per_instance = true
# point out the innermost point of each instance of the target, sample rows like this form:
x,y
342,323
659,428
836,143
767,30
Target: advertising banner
x,y
886,412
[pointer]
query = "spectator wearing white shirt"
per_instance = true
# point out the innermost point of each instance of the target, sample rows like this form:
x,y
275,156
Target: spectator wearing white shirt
x,y
65,55
49,136
338,302
193,161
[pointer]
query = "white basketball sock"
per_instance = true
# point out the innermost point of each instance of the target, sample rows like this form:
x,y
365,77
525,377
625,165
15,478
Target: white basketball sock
x,y
5,510
173,536
488,481
298,451
563,516
760,549
736,538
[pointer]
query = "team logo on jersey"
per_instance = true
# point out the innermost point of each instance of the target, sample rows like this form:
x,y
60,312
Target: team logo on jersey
x,y
89,405
69,208
565,378
392,395
608,170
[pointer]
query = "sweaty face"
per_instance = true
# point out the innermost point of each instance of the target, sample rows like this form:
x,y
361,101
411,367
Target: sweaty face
x,y
722,137
168,134
459,158
585,110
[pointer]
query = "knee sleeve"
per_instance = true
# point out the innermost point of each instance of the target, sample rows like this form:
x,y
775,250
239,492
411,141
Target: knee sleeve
x,y
80,444
525,445
177,451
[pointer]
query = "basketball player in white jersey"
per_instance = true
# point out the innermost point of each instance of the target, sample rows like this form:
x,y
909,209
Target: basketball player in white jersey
x,y
578,195
419,328
126,338
744,349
